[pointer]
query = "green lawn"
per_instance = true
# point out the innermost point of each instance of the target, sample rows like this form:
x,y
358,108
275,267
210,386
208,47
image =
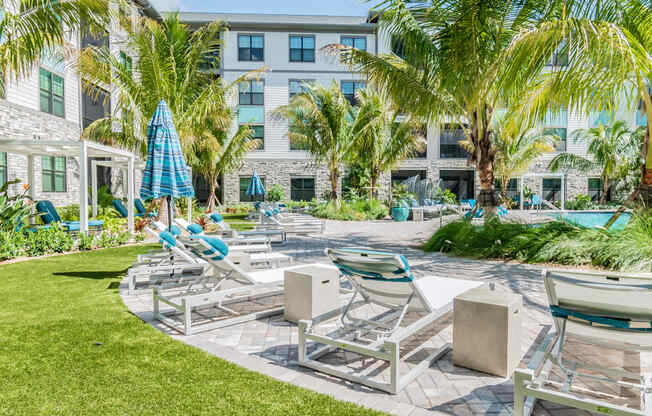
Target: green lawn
x,y
55,310
238,222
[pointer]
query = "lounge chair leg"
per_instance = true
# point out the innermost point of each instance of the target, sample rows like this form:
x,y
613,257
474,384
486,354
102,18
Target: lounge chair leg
x,y
393,350
156,301
303,348
520,378
187,317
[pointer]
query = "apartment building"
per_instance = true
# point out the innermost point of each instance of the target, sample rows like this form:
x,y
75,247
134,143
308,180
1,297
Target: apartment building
x,y
290,49
50,104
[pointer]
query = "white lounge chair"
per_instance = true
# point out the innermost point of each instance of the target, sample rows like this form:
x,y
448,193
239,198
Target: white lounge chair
x,y
175,267
269,221
217,219
610,310
252,285
385,280
196,229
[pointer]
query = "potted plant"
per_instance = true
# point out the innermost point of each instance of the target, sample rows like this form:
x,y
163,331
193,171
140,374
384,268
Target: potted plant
x,y
400,207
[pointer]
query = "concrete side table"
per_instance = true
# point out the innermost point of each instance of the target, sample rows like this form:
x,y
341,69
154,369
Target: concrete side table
x,y
487,331
417,214
311,291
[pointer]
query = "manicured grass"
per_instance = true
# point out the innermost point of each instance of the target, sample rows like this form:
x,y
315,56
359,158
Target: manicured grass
x,y
238,222
54,312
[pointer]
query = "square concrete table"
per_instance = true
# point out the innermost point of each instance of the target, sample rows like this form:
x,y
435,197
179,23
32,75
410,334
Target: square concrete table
x,y
417,214
487,331
310,291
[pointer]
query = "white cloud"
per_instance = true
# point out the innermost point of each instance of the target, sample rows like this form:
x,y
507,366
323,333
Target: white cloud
x,y
166,5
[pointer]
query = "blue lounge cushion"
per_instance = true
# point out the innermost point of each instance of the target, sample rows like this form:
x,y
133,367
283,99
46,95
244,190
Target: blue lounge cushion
x,y
140,207
215,217
50,214
195,229
120,207
175,230
276,211
218,249
400,274
166,238
282,205
269,213
257,204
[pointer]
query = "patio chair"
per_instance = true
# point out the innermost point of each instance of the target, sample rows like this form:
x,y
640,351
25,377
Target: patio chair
x,y
290,225
197,230
141,210
217,219
119,206
173,266
250,286
383,280
535,201
609,310
49,215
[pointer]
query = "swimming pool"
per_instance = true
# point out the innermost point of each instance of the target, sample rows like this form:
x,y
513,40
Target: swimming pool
x,y
591,219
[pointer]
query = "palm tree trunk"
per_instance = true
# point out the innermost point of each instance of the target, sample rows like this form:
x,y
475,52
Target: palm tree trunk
x,y
162,211
605,189
334,178
372,185
622,208
212,197
483,157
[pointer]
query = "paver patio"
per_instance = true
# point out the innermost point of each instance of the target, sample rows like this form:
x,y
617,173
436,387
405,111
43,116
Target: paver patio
x,y
269,346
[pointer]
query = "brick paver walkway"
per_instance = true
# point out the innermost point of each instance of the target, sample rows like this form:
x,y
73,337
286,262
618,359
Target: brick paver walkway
x,y
269,346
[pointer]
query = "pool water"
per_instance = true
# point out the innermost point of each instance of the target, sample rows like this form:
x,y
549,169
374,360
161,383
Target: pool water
x,y
592,219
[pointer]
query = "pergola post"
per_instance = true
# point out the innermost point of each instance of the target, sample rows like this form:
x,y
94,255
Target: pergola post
x,y
94,187
522,191
31,180
83,187
130,195
563,191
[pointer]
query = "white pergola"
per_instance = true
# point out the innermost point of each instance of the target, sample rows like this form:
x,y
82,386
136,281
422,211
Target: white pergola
x,y
545,175
84,150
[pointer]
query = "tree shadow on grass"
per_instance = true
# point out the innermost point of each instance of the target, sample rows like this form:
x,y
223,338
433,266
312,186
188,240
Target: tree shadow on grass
x,y
96,274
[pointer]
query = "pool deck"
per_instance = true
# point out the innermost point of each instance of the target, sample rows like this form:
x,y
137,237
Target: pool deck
x,y
269,346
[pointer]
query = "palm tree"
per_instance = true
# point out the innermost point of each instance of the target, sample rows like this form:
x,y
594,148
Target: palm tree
x,y
320,119
610,150
215,154
175,63
516,148
462,60
29,28
382,137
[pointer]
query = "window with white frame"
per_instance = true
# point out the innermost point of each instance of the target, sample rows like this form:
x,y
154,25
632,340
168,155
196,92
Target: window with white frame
x,y
53,172
251,48
51,97
251,108
357,42
556,124
302,48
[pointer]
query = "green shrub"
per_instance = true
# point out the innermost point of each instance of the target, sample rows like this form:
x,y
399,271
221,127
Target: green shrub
x,y
360,210
11,245
448,197
48,240
139,237
275,193
85,242
629,249
15,211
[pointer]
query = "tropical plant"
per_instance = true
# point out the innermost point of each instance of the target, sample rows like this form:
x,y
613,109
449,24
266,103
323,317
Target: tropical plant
x,y
15,211
215,154
275,193
610,150
462,61
319,119
176,63
30,29
516,148
382,136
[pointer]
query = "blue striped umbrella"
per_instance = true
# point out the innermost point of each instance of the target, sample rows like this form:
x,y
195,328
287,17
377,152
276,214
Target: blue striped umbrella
x,y
166,173
255,186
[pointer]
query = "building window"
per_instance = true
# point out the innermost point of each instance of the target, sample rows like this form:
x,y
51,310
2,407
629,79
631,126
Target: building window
x,y
53,169
3,168
298,86
126,62
595,190
97,40
552,189
512,188
302,49
251,109
450,137
251,48
302,189
244,184
556,124
51,93
349,89
357,42
96,104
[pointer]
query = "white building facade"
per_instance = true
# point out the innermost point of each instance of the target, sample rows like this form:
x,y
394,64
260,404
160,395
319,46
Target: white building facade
x,y
50,104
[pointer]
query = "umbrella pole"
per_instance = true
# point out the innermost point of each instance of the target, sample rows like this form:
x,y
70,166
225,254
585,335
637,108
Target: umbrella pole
x,y
169,198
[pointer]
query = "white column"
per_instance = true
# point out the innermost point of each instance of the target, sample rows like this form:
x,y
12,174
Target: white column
x,y
563,191
189,210
31,180
522,182
83,187
94,187
130,195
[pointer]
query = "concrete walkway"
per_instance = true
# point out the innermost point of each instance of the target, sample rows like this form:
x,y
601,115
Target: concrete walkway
x,y
269,346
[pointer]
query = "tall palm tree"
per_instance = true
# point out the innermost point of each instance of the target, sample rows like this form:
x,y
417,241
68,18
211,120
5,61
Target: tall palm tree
x,y
320,119
462,60
610,150
516,148
382,137
175,63
216,154
29,28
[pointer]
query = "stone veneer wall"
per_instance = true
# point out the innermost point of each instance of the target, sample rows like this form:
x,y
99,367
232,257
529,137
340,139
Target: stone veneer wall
x,y
18,122
279,172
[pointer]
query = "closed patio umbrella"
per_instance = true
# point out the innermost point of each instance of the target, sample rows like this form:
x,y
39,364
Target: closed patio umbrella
x,y
255,187
166,173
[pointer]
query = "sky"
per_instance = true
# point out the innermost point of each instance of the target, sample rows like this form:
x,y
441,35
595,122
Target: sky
x,y
308,7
